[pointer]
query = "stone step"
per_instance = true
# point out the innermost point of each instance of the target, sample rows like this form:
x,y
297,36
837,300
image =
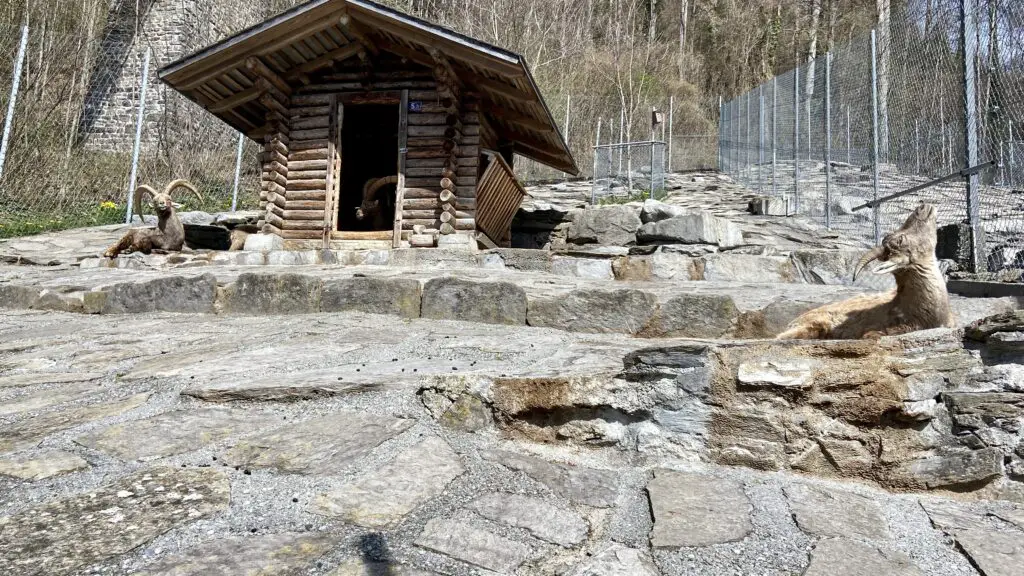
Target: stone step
x,y
648,264
704,309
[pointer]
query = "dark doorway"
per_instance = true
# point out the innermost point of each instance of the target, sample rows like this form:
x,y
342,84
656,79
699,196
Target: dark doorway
x,y
369,149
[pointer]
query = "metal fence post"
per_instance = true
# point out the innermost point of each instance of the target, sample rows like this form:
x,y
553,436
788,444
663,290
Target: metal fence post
x,y
138,138
15,85
721,124
968,29
671,109
775,140
746,140
1010,149
760,138
796,140
917,145
874,136
828,140
849,142
238,172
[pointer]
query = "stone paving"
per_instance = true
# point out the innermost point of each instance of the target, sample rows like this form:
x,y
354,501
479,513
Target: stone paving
x,y
324,445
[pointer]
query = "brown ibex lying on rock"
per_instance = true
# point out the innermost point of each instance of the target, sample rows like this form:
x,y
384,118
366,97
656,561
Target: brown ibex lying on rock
x,y
373,207
169,234
919,302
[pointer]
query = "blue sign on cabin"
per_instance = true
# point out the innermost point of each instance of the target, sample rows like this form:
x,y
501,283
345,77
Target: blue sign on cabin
x,y
415,106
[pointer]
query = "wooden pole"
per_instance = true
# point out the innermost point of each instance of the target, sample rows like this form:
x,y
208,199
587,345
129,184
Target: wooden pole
x,y
403,141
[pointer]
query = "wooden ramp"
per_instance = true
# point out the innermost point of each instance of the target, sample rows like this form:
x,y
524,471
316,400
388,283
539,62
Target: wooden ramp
x,y
498,196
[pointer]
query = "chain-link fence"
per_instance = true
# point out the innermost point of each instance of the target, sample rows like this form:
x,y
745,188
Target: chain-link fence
x,y
76,112
886,112
628,171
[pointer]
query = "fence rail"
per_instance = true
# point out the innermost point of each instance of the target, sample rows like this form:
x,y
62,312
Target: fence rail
x,y
937,88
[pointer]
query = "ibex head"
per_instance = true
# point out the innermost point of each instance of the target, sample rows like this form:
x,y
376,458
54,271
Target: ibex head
x,y
913,244
162,202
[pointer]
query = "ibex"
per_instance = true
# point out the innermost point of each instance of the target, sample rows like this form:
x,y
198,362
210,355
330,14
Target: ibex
x,y
919,302
372,206
169,234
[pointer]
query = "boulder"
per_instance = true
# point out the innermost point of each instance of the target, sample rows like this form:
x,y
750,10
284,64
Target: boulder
x,y
692,228
694,316
486,302
167,294
954,243
608,225
749,268
588,310
395,296
835,267
196,217
656,211
271,294
263,243
769,206
594,268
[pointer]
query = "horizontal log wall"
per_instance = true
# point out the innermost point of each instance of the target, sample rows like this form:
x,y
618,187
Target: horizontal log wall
x,y
306,204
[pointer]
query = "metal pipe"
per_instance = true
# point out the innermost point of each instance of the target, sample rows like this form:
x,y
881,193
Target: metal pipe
x,y
874,135
138,137
238,172
760,138
15,86
796,141
775,140
968,29
828,140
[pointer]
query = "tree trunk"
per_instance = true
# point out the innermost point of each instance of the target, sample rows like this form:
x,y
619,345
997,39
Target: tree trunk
x,y
683,16
882,46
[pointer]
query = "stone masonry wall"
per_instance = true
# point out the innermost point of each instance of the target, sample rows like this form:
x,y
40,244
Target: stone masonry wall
x,y
171,29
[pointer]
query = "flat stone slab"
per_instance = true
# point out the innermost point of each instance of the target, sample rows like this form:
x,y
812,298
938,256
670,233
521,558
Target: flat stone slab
x,y
36,378
697,510
994,553
540,518
599,488
172,433
291,386
952,517
266,555
836,514
617,560
357,567
50,397
324,445
835,557
69,534
29,433
473,545
386,495
1015,516
46,464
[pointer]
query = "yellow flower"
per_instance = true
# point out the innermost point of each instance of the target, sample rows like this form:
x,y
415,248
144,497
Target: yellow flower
x,y
108,205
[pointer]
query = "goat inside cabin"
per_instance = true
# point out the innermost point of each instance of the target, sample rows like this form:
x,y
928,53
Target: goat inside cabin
x,y
369,150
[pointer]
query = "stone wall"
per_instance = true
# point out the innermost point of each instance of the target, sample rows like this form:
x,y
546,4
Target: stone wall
x,y
171,29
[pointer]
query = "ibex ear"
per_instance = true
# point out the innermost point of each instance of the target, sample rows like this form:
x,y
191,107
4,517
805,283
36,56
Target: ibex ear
x,y
177,206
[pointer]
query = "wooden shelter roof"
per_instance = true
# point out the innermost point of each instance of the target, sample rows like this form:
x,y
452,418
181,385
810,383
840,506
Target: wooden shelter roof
x,y
231,79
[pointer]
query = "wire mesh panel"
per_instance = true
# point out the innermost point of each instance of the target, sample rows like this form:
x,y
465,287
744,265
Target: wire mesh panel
x,y
628,171
74,124
694,152
894,118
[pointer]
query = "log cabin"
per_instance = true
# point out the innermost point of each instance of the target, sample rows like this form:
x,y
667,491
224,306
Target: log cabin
x,y
343,93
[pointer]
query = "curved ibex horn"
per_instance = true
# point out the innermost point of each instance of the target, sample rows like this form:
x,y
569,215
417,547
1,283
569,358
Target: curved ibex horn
x,y
377,184
872,255
137,198
182,183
